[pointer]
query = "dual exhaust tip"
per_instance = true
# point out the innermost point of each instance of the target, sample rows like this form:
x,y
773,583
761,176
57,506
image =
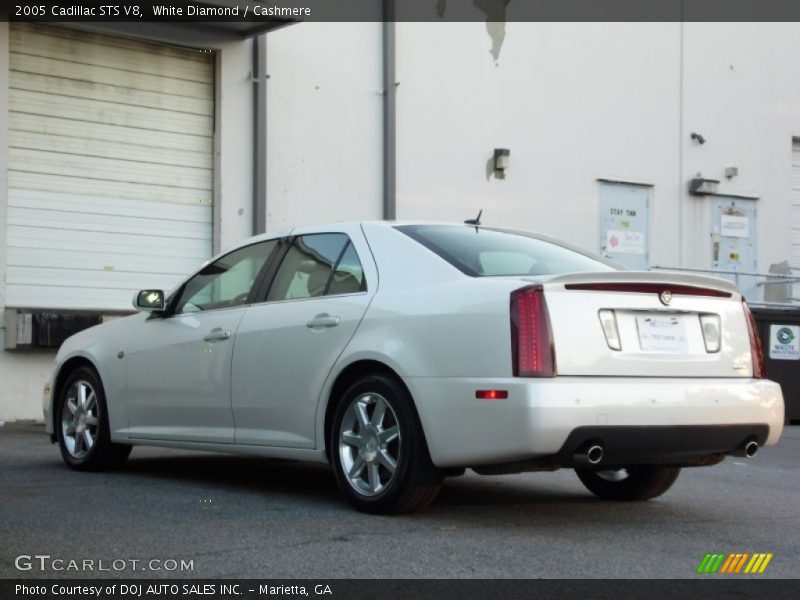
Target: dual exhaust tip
x,y
592,454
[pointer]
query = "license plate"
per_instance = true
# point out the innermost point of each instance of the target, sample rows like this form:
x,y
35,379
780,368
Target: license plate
x,y
665,334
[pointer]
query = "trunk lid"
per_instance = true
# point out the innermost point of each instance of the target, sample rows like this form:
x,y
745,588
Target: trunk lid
x,y
658,336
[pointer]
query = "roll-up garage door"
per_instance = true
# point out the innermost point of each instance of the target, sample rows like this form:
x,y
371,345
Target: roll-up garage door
x,y
110,167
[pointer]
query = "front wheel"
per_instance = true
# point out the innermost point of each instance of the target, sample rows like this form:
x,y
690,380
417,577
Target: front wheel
x,y
378,449
641,482
82,424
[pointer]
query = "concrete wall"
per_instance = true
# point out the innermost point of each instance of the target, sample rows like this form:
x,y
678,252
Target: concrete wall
x,y
579,102
324,131
234,167
573,102
741,91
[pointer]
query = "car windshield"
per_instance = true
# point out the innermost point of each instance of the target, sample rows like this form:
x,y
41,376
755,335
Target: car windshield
x,y
485,252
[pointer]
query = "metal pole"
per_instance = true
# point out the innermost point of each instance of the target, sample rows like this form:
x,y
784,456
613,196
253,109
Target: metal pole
x,y
259,134
389,113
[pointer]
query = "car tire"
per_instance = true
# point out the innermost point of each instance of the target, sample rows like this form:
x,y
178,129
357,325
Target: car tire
x,y
378,449
641,482
82,425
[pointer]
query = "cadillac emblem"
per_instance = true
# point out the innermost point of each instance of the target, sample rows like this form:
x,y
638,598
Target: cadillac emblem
x,y
665,297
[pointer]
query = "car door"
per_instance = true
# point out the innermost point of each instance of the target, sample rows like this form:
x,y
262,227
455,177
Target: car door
x,y
178,364
287,345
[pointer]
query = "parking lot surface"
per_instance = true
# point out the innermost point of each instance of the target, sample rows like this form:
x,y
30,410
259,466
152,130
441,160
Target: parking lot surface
x,y
247,517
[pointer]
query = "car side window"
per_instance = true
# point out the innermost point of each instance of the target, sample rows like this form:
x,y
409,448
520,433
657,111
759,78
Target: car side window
x,y
316,265
348,278
227,281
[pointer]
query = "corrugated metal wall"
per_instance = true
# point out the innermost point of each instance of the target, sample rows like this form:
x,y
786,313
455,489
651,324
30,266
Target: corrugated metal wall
x,y
110,167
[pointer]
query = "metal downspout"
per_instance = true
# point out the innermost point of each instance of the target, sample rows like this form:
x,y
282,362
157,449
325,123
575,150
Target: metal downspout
x,y
389,113
259,134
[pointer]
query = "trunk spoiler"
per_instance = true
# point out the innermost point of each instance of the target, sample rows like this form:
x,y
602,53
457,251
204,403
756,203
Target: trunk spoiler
x,y
666,278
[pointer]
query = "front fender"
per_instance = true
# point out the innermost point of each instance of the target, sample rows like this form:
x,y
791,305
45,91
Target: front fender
x,y
103,347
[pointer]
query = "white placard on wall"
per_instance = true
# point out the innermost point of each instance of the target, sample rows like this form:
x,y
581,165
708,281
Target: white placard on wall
x,y
734,226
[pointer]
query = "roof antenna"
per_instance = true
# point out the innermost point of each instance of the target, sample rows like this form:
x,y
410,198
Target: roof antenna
x,y
476,221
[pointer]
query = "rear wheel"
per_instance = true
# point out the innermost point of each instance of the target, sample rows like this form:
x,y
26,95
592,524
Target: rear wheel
x,y
82,424
641,482
378,449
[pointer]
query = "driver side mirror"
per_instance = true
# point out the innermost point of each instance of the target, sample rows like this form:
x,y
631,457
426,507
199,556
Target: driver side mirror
x,y
149,300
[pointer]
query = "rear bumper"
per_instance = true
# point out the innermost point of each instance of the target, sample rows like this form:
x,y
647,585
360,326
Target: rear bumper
x,y
540,415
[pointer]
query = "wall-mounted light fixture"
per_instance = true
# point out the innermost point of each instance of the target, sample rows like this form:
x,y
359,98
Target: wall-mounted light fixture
x,y
731,172
501,158
698,138
701,187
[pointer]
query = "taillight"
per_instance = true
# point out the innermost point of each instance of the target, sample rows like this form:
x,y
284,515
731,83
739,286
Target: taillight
x,y
532,349
756,351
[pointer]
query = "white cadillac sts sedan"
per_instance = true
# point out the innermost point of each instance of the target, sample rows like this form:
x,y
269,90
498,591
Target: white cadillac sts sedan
x,y
405,353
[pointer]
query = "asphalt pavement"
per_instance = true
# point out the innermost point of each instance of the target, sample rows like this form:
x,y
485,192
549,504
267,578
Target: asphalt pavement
x,y
237,517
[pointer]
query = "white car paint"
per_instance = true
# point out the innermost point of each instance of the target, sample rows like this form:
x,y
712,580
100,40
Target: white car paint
x,y
277,378
265,390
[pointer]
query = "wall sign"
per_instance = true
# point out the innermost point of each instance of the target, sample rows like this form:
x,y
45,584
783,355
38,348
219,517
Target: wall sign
x,y
734,226
784,342
625,242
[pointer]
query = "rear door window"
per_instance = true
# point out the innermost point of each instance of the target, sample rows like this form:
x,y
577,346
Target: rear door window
x,y
318,265
348,278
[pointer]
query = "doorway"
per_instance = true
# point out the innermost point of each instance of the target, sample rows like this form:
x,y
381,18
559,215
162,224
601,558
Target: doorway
x,y
625,223
733,241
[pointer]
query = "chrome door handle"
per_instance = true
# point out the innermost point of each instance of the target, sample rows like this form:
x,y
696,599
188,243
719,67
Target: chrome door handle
x,y
323,320
217,335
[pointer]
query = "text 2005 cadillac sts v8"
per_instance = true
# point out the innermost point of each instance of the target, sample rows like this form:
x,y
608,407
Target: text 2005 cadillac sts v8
x,y
404,353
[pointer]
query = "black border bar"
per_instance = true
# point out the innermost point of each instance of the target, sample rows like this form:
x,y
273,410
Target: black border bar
x,y
265,11
709,587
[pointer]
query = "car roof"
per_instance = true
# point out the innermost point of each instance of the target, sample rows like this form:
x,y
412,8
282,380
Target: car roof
x,y
333,226
344,226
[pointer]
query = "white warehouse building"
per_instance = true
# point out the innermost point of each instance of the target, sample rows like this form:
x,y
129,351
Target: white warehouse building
x,y
132,153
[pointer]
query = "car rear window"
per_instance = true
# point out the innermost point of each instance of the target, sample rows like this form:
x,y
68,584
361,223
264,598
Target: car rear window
x,y
486,252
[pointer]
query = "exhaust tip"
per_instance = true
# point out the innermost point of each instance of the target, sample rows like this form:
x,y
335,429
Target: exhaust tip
x,y
590,453
750,449
595,454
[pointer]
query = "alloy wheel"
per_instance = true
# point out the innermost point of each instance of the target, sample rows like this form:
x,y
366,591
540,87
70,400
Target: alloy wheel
x,y
369,444
80,419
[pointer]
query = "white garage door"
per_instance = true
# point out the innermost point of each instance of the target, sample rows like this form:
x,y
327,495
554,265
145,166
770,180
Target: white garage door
x,y
110,167
795,262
